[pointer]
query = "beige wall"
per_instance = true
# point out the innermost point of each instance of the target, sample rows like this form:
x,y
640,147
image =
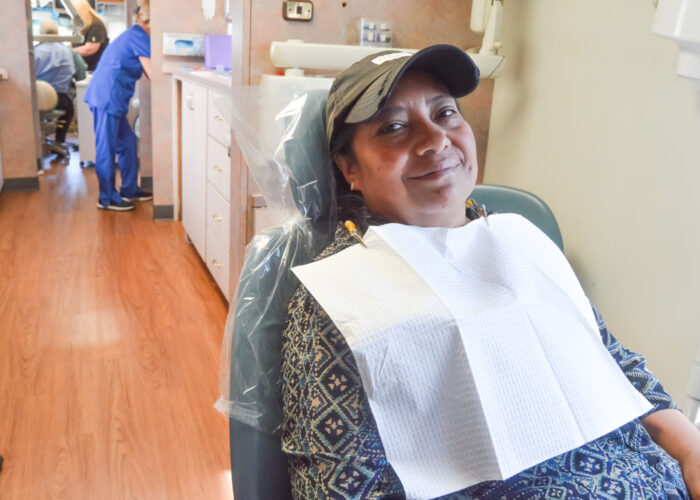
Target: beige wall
x,y
18,123
177,16
143,91
590,115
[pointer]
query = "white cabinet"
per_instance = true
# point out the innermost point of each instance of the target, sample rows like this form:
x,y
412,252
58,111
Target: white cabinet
x,y
193,128
218,215
206,179
218,175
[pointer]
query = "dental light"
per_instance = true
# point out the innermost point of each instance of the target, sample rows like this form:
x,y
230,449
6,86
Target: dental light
x,y
679,20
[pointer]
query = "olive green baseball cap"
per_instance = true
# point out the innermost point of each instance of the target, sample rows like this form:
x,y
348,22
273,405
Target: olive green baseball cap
x,y
360,92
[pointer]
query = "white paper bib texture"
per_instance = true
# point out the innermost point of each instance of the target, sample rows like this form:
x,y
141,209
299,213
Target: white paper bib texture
x,y
477,348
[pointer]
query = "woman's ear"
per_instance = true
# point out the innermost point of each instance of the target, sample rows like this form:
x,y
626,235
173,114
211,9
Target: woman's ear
x,y
349,169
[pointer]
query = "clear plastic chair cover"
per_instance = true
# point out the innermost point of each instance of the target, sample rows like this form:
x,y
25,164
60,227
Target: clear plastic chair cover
x,y
282,139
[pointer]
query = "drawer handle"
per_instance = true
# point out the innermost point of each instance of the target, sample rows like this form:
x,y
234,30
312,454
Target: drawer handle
x,y
218,168
215,263
217,218
219,118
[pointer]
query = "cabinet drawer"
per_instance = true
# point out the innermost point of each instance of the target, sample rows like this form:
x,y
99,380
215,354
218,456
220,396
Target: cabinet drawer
x,y
218,126
219,167
218,262
218,216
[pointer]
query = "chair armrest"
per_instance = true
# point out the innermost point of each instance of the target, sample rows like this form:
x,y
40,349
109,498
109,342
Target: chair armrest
x,y
260,473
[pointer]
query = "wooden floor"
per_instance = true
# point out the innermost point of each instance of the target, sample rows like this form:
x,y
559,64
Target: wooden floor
x,y
110,332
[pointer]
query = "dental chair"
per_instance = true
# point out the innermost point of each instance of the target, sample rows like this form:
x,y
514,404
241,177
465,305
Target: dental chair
x,y
49,117
259,468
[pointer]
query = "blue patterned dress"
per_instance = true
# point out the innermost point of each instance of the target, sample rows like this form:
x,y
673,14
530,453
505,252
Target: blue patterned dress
x,y
334,449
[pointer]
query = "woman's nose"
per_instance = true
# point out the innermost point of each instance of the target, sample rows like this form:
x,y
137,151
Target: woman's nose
x,y
431,138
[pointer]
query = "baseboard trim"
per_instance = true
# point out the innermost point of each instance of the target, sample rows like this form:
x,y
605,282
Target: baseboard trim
x,y
21,184
163,212
147,183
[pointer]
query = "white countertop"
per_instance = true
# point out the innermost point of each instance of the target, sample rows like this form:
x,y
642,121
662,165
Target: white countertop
x,y
209,78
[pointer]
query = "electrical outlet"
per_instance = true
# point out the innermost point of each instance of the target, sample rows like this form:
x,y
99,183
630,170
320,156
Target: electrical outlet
x,y
297,11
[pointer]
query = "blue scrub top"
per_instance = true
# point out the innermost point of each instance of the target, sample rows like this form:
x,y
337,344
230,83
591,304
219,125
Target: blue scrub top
x,y
113,82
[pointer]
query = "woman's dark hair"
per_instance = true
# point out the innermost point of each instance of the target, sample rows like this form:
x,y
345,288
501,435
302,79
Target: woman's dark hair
x,y
351,204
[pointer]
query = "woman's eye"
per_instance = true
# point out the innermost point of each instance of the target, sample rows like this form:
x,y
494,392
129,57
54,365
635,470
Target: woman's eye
x,y
390,127
447,112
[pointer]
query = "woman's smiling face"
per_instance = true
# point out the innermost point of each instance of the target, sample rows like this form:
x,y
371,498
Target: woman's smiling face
x,y
415,162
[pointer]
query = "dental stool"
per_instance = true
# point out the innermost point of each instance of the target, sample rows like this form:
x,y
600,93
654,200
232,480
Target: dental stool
x,y
49,117
259,468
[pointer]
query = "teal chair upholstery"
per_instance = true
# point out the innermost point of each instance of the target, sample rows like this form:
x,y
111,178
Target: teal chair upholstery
x,y
259,468
504,199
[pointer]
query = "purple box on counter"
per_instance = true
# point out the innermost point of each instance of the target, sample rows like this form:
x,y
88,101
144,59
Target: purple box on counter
x,y
217,52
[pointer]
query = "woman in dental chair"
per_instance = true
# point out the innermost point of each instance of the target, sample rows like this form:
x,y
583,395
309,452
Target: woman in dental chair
x,y
404,154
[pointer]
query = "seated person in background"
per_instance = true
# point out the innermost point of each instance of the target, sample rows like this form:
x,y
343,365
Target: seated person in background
x,y
405,154
55,64
95,33
80,73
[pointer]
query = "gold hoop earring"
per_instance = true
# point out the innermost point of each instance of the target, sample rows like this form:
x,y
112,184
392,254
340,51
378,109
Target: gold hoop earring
x,y
352,186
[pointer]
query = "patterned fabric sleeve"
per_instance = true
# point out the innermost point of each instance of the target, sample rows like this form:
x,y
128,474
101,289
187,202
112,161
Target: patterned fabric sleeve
x,y
634,367
328,433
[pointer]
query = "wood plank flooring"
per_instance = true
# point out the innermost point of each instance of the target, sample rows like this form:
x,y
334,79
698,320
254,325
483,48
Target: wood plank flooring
x,y
110,332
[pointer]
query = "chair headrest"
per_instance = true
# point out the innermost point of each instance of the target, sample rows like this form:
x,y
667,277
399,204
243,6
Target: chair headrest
x,y
308,158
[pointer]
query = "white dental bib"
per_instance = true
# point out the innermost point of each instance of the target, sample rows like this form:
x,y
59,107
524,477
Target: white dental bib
x,y
477,348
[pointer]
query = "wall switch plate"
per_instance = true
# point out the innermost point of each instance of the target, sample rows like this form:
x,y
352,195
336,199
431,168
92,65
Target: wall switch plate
x,y
376,32
297,11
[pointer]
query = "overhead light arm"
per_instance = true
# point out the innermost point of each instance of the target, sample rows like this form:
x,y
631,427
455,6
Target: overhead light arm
x,y
78,25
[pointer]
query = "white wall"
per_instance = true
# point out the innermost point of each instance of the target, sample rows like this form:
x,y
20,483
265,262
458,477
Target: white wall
x,y
590,115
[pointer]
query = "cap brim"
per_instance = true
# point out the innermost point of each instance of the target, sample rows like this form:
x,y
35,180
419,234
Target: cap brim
x,y
448,64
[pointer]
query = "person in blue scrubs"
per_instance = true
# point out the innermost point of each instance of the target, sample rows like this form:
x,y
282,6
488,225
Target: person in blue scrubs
x,y
123,62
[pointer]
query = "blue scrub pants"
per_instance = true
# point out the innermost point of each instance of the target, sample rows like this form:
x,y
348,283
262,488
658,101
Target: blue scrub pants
x,y
113,136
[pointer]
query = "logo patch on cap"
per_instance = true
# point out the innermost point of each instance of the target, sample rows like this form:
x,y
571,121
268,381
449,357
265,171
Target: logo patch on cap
x,y
390,57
